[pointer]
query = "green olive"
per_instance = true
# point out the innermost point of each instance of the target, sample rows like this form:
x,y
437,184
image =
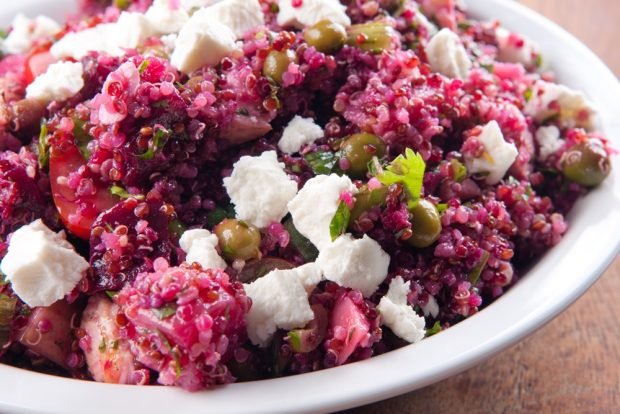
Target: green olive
x,y
238,239
276,64
372,37
366,199
586,163
326,36
359,149
426,224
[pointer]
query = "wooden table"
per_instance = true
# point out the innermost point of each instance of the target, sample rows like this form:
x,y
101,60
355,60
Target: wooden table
x,y
572,365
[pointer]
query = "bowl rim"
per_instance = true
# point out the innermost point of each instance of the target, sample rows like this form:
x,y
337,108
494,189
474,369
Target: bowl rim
x,y
558,279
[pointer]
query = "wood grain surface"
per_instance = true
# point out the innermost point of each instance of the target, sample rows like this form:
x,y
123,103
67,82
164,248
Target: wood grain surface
x,y
572,365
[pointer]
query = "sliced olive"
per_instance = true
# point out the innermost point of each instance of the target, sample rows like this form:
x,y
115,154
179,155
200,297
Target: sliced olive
x,y
238,239
359,149
426,224
277,63
586,163
310,337
326,36
366,199
258,268
372,37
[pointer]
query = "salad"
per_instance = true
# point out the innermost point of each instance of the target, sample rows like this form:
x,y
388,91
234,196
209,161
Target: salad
x,y
198,192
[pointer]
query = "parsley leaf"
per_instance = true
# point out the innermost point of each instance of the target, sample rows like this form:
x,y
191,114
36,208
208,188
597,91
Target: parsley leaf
x,y
44,147
474,275
340,221
122,193
165,311
160,137
407,170
216,216
436,328
300,242
322,162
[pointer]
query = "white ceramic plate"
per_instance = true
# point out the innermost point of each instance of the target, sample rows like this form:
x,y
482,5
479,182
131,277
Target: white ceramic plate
x,y
553,284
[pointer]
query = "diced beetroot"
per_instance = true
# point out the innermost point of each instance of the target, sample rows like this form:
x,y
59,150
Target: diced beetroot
x,y
126,240
350,326
48,332
108,356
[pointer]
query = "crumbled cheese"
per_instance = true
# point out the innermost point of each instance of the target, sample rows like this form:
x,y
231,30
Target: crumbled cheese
x,y
41,265
299,132
514,48
447,55
311,12
497,157
570,107
26,31
169,41
279,301
202,42
239,15
60,82
166,16
309,275
260,189
421,20
316,203
200,246
196,4
398,315
549,141
354,263
431,307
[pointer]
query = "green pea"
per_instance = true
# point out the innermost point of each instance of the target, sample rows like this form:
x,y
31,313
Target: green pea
x,y
359,149
372,37
326,36
426,224
586,163
238,239
276,64
366,199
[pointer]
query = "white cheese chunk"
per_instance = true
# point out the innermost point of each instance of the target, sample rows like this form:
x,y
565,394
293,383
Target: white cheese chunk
x,y
279,301
190,5
41,265
26,31
570,107
497,157
299,132
260,189
549,141
60,82
514,48
169,41
354,263
398,315
431,307
447,55
166,17
239,15
200,246
313,208
202,42
311,12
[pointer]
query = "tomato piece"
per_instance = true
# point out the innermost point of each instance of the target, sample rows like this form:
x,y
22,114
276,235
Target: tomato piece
x,y
78,212
37,63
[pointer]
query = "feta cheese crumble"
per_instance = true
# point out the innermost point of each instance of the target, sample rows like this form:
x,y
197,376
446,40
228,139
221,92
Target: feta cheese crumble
x,y
166,16
431,307
447,55
41,265
299,132
354,263
314,206
310,12
280,301
260,189
239,15
26,31
571,107
514,48
60,82
398,315
549,141
497,157
200,246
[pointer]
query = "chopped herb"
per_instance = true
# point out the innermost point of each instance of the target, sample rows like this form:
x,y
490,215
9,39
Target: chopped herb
x,y
160,137
111,294
488,67
460,171
528,193
301,243
538,61
528,94
465,25
122,193
436,328
441,207
44,147
144,66
114,344
340,221
216,216
407,170
7,311
474,275
82,137
322,162
102,345
122,4
177,363
165,311
243,111
4,33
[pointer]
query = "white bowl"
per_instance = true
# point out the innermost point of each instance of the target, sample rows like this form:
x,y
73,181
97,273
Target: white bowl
x,y
557,280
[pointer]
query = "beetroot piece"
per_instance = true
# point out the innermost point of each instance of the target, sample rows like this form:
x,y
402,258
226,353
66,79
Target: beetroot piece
x,y
126,239
185,323
48,332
